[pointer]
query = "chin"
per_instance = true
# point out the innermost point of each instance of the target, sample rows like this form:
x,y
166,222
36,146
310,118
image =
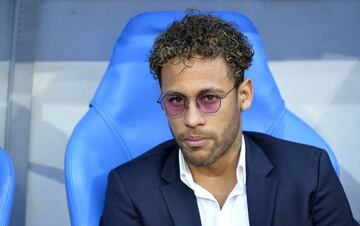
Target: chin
x,y
198,157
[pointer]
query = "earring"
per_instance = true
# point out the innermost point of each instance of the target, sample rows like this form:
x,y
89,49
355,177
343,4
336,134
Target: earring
x,y
244,108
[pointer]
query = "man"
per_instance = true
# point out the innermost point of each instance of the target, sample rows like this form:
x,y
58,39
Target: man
x,y
212,173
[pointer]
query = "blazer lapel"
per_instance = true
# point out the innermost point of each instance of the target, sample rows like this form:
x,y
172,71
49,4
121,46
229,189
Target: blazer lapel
x,y
179,198
260,186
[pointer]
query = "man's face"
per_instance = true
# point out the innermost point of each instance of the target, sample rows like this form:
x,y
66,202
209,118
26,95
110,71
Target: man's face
x,y
205,138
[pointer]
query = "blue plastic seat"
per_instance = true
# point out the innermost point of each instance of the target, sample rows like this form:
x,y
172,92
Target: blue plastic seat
x,y
124,119
7,188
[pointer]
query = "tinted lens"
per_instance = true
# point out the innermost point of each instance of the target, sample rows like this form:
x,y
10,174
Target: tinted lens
x,y
208,103
173,105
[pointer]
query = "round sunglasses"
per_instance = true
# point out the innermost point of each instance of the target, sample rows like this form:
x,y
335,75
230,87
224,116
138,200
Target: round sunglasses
x,y
175,104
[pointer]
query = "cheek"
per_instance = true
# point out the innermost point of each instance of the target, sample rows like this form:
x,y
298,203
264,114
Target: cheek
x,y
228,112
176,125
230,115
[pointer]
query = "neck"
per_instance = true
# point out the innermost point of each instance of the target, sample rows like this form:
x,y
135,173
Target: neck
x,y
219,178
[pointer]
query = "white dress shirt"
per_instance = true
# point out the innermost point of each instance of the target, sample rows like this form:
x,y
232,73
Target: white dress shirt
x,y
235,209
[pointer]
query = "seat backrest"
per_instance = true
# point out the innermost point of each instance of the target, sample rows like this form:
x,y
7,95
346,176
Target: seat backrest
x,y
124,119
7,187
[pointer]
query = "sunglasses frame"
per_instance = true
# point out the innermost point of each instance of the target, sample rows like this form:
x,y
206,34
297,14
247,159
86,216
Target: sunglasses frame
x,y
186,104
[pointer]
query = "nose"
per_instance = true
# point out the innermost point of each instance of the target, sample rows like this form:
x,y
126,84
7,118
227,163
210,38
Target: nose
x,y
193,116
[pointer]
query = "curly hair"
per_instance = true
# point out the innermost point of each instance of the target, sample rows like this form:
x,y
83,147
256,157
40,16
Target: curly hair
x,y
204,36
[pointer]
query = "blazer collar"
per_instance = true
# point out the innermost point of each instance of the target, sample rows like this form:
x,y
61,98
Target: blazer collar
x,y
260,186
179,198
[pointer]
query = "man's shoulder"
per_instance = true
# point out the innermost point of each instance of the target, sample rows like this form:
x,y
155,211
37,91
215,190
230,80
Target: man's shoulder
x,y
285,154
149,161
271,143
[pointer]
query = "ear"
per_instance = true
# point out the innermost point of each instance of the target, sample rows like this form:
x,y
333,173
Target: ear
x,y
245,94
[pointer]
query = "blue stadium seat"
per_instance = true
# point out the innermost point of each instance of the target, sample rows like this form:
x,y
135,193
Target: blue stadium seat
x,y
124,119
7,187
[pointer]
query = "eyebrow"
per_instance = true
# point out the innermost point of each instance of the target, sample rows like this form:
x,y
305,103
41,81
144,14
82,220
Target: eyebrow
x,y
204,91
173,93
211,90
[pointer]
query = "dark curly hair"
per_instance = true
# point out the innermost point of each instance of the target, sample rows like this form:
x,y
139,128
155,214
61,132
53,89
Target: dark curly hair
x,y
204,36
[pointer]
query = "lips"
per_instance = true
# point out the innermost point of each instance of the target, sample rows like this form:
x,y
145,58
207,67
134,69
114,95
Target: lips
x,y
196,142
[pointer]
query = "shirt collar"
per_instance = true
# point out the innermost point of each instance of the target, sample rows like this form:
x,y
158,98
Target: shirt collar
x,y
241,167
186,176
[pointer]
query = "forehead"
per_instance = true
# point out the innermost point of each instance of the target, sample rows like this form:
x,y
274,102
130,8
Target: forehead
x,y
193,75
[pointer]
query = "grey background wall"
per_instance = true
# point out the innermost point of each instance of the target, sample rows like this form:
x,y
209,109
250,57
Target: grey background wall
x,y
59,54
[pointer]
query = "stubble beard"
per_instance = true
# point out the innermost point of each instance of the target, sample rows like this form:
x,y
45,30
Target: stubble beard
x,y
220,146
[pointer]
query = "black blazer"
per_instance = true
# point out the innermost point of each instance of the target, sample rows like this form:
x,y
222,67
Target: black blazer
x,y
288,184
